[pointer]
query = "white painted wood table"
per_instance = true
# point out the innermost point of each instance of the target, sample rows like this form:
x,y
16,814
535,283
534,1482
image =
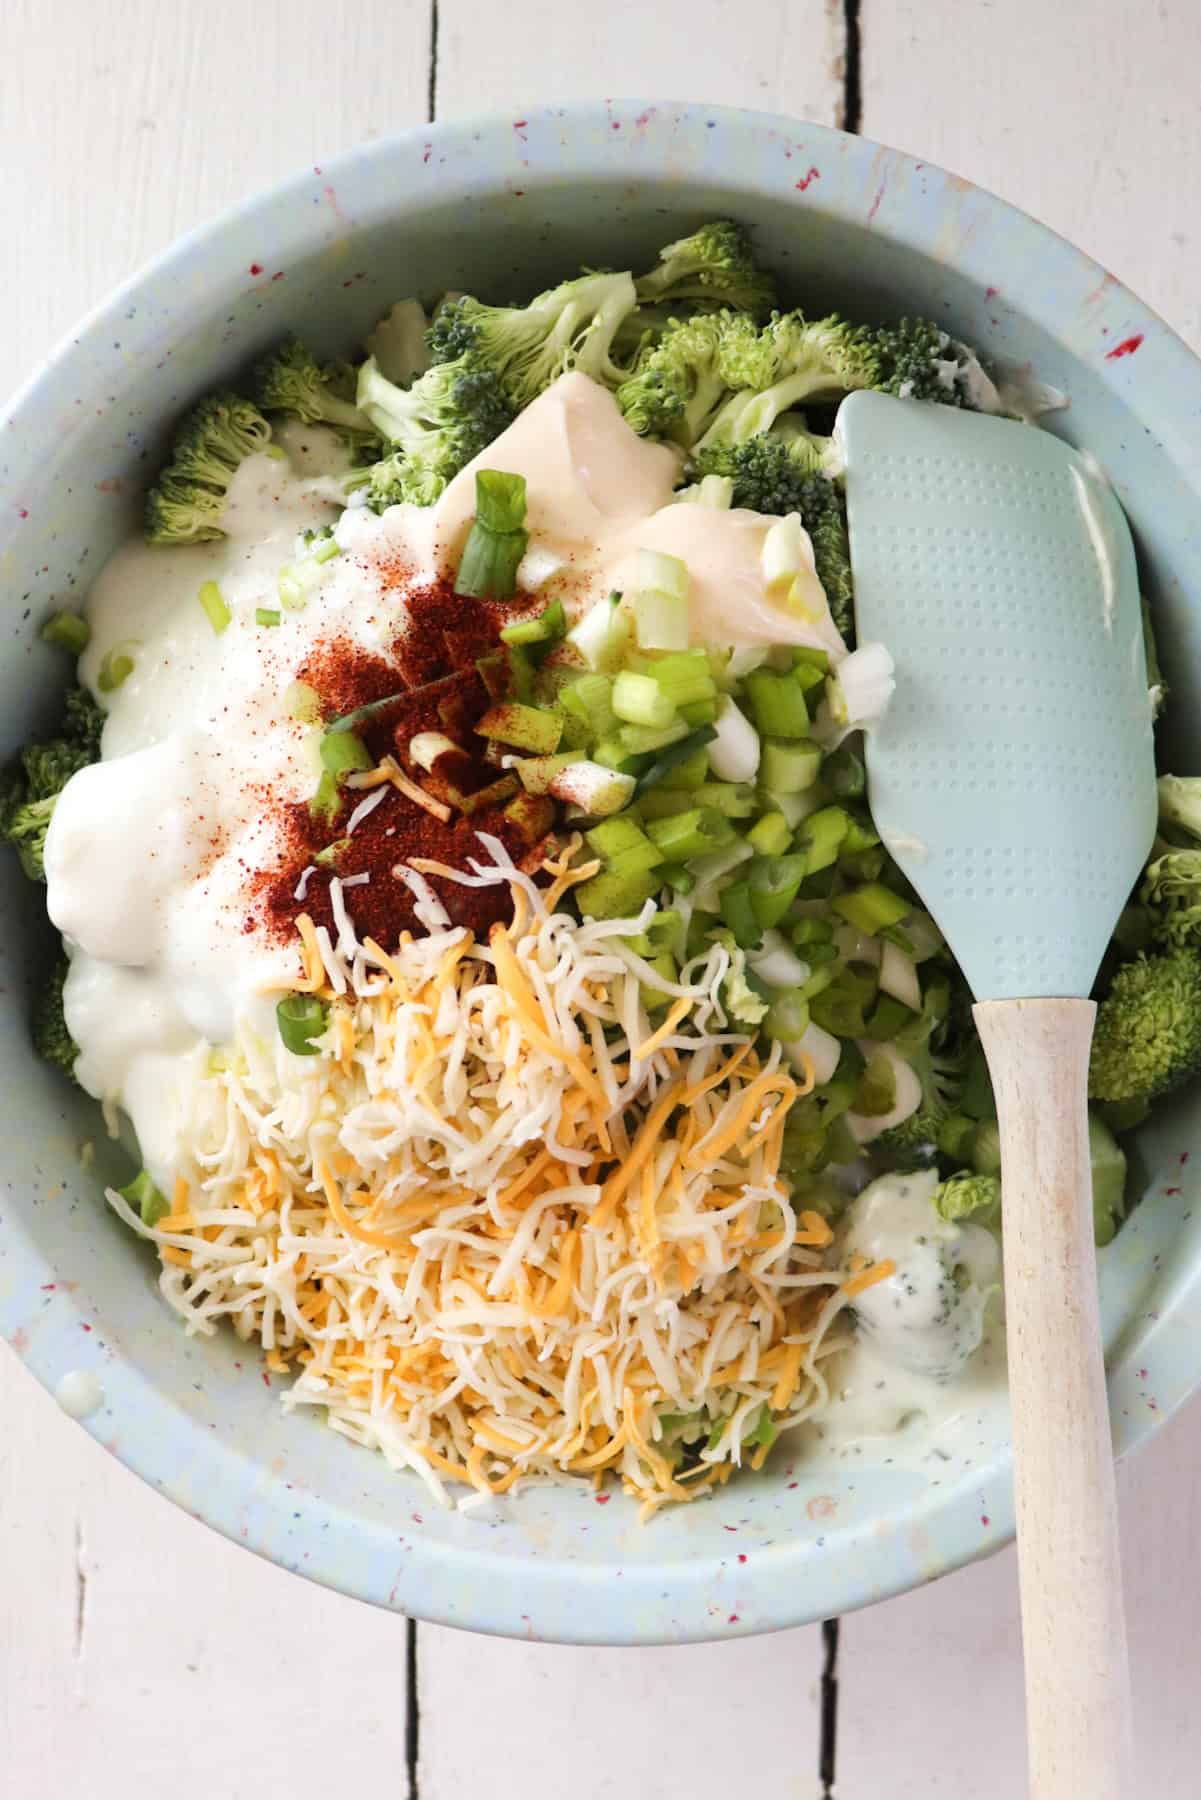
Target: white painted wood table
x,y
140,1653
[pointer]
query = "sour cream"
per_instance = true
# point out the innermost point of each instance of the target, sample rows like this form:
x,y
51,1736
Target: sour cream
x,y
151,853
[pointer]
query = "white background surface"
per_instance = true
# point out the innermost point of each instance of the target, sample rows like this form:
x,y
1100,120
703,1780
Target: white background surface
x,y
139,1653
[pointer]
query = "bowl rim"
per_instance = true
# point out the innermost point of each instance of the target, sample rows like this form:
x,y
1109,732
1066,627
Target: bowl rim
x,y
787,1584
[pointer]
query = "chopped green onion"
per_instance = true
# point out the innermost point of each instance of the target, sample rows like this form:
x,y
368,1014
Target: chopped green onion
x,y
115,667
298,580
524,727
734,798
842,1004
887,1018
697,832
876,1094
326,801
777,704
342,753
482,799
821,837
781,555
500,500
425,747
770,835
592,789
326,550
664,964
602,636
872,907
675,876
375,712
616,895
699,712
494,673
590,700
661,621
843,773
739,915
956,1137
302,703
548,628
266,615
787,1017
530,815
332,854
811,930
861,834
667,573
639,700
148,1201
537,772
774,882
301,1019
643,740
788,767
685,677
68,631
682,760
614,836
497,540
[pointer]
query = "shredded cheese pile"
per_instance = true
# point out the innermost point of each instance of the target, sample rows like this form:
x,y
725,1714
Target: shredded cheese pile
x,y
500,1226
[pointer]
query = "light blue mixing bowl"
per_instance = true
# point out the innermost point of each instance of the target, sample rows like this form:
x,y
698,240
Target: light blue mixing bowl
x,y
502,207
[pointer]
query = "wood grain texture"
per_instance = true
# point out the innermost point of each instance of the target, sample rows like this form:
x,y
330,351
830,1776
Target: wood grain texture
x,y
675,1724
141,1654
124,123
932,1682
1084,114
1073,1622
777,56
130,123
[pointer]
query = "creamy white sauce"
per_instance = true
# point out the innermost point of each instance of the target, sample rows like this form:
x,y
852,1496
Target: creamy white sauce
x,y
929,1344
927,1317
150,851
79,1393
908,1099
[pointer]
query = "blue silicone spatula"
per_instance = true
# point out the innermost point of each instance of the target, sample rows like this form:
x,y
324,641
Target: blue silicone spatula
x,y
1013,781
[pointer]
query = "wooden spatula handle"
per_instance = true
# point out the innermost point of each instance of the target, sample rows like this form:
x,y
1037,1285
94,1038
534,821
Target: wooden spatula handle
x,y
1073,1625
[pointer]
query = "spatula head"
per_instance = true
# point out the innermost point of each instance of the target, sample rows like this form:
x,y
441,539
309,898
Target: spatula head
x,y
1013,776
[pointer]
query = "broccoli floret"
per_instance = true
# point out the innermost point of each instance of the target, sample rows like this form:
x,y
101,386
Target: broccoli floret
x,y
1147,1039
1180,804
51,1038
291,380
919,361
677,382
714,264
1108,1162
435,427
571,326
792,362
186,502
1171,895
32,784
782,471
931,1048
398,343
969,1196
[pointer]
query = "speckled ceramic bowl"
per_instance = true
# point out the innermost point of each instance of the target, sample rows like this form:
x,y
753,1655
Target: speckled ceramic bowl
x,y
505,206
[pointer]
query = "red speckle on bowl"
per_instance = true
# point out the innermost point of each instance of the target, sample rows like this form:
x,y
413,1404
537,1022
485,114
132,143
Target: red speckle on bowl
x,y
811,174
256,268
603,1499
1127,347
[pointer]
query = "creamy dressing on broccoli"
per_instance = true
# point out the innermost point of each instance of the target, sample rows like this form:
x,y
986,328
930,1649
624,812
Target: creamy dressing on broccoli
x,y
149,852
928,1346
